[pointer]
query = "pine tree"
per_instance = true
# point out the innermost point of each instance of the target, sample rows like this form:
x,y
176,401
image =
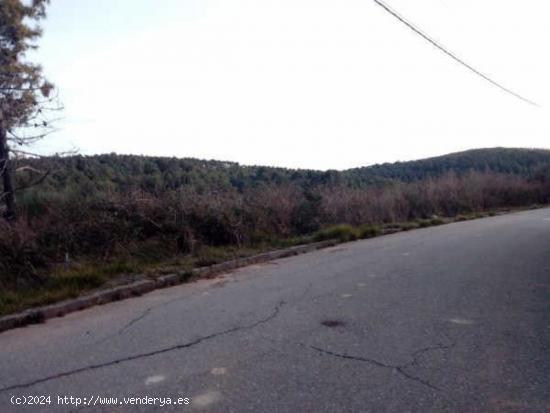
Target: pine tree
x,y
26,99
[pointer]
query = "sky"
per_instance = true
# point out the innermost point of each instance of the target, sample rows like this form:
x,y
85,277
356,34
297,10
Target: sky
x,y
295,83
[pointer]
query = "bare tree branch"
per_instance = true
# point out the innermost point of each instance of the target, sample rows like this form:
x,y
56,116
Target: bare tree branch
x,y
36,182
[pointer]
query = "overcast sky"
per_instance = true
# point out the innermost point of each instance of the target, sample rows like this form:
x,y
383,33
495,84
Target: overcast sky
x,y
296,83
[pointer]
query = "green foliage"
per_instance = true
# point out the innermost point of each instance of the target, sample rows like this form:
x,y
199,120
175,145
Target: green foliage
x,y
22,85
109,218
342,232
96,176
212,255
306,216
407,226
346,232
26,99
58,287
424,223
523,162
368,231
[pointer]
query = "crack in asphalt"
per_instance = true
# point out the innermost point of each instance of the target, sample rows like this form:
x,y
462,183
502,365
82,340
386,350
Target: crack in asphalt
x,y
149,310
181,346
416,355
126,326
135,320
400,368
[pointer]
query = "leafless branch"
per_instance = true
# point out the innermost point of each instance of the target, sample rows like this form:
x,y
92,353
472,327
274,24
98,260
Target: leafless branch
x,y
36,182
28,168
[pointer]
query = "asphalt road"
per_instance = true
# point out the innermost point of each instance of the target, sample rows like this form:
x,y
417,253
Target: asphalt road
x,y
453,318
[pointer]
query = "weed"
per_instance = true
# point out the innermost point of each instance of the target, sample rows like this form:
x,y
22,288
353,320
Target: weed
x,y
407,226
368,231
424,223
185,276
342,232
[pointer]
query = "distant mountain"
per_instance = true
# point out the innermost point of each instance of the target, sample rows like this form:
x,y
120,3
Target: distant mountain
x,y
523,162
100,173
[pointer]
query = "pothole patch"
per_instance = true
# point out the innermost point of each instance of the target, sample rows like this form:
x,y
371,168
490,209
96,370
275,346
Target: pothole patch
x,y
333,323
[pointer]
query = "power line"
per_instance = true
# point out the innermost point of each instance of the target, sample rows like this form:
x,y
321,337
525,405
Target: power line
x,y
449,53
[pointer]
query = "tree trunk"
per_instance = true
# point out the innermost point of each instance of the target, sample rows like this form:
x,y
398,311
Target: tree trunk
x,y
8,193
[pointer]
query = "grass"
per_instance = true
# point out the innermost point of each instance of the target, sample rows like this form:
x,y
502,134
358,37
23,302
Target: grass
x,y
408,226
54,289
474,215
342,232
78,278
425,223
346,232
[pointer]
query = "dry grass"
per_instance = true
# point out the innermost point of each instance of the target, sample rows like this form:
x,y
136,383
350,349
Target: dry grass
x,y
77,278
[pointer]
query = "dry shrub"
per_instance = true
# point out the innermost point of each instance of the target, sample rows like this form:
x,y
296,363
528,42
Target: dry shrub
x,y
142,224
20,255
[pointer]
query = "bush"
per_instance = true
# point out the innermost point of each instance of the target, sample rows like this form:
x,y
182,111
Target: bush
x,y
342,232
211,229
368,231
111,222
423,223
20,256
436,221
407,226
306,218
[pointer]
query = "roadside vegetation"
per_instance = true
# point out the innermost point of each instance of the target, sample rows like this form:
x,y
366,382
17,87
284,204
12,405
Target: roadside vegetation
x,y
74,238
74,223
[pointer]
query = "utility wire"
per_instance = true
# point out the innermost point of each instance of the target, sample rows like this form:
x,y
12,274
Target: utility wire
x,y
449,53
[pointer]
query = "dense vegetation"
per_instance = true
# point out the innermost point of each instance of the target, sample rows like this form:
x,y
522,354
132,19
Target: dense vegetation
x,y
99,216
103,215
92,176
522,162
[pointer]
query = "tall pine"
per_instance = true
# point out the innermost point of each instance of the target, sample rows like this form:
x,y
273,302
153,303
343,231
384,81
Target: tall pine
x,y
25,95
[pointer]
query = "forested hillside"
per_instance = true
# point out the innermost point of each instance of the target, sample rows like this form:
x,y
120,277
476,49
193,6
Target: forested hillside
x,y
523,162
89,175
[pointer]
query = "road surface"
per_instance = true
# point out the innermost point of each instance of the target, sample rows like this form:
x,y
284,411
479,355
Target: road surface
x,y
453,318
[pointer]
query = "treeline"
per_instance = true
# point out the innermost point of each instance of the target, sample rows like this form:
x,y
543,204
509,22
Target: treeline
x,y
527,163
105,174
137,223
100,175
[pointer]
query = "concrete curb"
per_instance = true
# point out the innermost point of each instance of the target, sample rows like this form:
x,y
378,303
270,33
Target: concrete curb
x,y
137,288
